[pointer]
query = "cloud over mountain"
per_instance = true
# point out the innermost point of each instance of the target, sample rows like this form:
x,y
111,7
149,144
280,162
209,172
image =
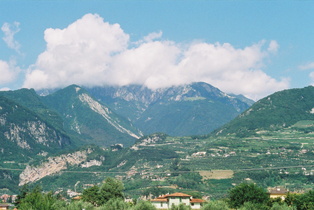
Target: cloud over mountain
x,y
8,72
93,52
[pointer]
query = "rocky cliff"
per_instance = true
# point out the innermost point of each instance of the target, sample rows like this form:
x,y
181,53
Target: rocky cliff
x,y
56,164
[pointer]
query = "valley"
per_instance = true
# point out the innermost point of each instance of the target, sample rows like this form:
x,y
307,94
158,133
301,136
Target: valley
x,y
270,153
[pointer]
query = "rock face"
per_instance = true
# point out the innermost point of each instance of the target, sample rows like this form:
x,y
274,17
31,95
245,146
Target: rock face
x,y
24,133
192,109
105,113
35,130
55,165
90,120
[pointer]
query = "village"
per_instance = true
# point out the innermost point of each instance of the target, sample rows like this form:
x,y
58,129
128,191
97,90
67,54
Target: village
x,y
161,202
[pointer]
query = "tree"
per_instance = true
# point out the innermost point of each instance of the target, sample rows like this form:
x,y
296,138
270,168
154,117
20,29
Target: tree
x,y
36,199
144,205
277,206
301,201
114,204
253,206
245,192
110,189
181,206
23,192
216,205
92,195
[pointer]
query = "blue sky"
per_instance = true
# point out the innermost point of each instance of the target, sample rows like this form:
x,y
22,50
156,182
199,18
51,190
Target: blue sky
x,y
246,47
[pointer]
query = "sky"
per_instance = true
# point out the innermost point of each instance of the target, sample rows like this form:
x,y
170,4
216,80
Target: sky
x,y
252,47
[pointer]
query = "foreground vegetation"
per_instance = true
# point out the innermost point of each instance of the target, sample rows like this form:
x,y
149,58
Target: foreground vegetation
x,y
109,196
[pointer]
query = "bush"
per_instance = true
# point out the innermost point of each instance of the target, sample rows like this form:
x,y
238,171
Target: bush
x,y
180,207
114,204
144,205
216,205
253,206
277,206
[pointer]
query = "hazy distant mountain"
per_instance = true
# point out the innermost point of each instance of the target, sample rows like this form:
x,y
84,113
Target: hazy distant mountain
x,y
93,122
279,110
192,109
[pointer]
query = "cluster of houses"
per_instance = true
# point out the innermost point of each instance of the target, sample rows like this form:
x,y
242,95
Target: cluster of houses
x,y
6,201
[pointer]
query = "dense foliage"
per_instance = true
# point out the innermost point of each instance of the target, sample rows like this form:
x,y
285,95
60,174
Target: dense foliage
x,y
98,196
245,192
243,197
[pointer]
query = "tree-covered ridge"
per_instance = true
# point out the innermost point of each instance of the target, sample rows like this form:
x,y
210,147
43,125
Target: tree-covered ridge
x,y
279,110
89,120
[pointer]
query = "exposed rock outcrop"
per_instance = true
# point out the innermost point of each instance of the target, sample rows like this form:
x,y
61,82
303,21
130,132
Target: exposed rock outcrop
x,y
55,165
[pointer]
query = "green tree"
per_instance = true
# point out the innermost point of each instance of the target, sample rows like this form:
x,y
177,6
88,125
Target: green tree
x,y
181,206
245,192
92,195
253,206
36,199
216,205
114,204
98,196
278,206
144,205
112,188
22,194
74,205
301,201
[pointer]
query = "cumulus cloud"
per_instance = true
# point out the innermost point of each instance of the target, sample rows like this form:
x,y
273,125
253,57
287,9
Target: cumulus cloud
x,y
8,72
80,53
9,31
93,52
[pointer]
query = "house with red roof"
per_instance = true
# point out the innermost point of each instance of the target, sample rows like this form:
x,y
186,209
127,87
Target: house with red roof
x,y
166,201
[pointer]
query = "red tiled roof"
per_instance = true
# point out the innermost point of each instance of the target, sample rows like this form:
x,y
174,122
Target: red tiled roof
x,y
195,200
177,195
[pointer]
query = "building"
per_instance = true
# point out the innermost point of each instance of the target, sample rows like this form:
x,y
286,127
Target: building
x,y
4,206
5,198
278,192
166,201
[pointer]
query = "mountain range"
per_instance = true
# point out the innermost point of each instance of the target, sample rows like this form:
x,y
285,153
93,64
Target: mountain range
x,y
44,138
193,109
76,116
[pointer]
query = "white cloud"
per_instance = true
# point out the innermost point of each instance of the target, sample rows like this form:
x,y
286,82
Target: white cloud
x,y
9,31
93,52
8,72
307,66
80,54
273,46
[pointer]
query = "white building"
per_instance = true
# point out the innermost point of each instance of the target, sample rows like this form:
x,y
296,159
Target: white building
x,y
166,201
